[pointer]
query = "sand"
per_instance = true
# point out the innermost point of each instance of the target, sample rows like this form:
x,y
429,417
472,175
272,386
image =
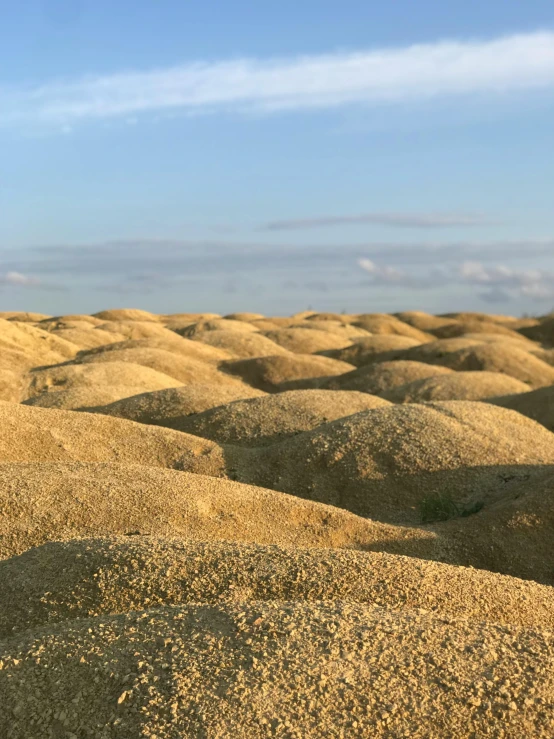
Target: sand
x,y
276,526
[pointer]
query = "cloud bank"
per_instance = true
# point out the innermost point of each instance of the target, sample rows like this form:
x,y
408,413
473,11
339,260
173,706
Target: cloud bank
x,y
389,75
397,220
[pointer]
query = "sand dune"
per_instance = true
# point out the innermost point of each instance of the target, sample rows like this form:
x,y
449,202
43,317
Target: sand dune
x,y
315,525
273,373
272,418
456,386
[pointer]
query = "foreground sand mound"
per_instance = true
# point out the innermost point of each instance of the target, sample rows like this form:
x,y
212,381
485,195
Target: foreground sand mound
x,y
101,377
381,323
44,435
55,501
381,376
11,385
60,581
384,462
378,348
272,418
274,373
126,314
85,398
508,359
182,368
513,536
240,344
172,406
277,668
537,404
307,340
456,386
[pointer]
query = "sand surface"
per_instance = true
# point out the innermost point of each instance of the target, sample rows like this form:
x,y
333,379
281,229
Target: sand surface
x,y
322,525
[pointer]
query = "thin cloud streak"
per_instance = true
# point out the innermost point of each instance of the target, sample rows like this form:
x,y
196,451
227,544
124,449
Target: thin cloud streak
x,y
395,220
391,75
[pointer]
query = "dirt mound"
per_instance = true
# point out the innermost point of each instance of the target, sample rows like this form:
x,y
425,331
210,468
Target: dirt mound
x,y
182,368
273,373
96,376
537,404
59,581
381,323
384,463
456,386
382,376
240,344
44,435
126,314
285,668
62,501
170,407
378,348
215,324
499,357
307,340
272,418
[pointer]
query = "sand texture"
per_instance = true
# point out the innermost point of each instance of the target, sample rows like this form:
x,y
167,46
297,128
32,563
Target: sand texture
x,y
319,525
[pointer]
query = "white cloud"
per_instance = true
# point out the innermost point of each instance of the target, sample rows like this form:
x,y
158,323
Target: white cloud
x,y
398,220
390,75
18,279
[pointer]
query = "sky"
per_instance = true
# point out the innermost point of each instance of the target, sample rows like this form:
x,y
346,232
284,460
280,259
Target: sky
x,y
274,157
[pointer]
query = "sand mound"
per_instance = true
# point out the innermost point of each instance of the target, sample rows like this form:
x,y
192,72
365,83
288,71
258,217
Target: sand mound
x,y
307,340
240,344
508,359
83,398
537,404
272,418
60,581
126,314
11,385
542,332
281,372
378,348
285,668
215,324
62,501
170,342
96,376
456,386
460,328
248,317
23,316
332,327
170,407
88,338
182,368
423,321
381,376
40,347
382,463
381,323
135,329
44,435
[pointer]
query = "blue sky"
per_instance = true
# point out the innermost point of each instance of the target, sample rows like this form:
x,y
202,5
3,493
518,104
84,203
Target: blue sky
x,y
356,156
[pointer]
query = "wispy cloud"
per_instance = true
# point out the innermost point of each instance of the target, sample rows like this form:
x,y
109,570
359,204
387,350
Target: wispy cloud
x,y
396,220
18,279
389,75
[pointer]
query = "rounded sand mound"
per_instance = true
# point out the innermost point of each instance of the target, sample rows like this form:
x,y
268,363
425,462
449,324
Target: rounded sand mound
x,y
285,668
126,314
101,376
88,338
56,501
385,462
215,324
169,342
170,407
542,332
135,329
456,386
272,418
381,323
41,347
537,404
459,328
44,435
248,317
378,348
240,344
274,373
83,398
507,359
182,368
382,376
60,581
423,321
307,340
